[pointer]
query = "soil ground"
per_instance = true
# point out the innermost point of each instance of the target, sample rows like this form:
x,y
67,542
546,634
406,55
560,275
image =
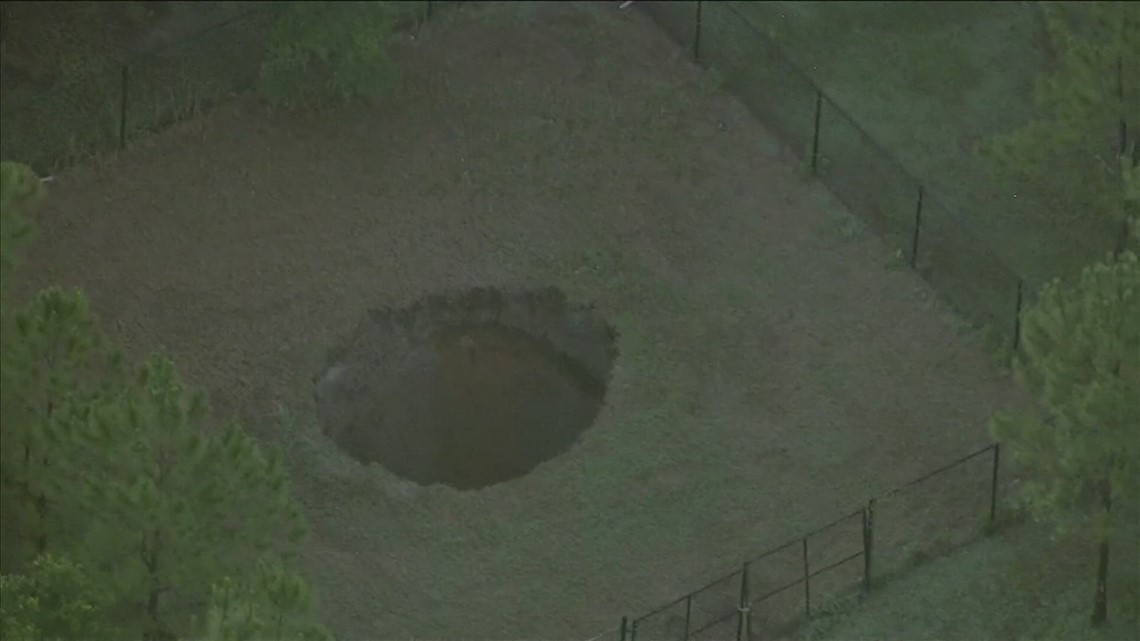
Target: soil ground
x,y
776,369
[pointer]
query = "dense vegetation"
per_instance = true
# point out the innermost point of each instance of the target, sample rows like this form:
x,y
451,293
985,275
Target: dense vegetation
x,y
127,511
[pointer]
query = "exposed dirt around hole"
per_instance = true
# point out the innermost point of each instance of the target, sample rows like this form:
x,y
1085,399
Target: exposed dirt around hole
x,y
467,390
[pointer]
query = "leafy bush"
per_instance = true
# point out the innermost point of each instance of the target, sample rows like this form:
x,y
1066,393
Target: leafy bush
x,y
55,599
322,51
20,190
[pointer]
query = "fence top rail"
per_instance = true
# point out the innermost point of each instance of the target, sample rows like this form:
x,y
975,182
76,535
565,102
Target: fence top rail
x,y
724,577
849,558
874,142
771,593
933,199
735,573
849,515
663,608
938,471
155,52
776,550
731,7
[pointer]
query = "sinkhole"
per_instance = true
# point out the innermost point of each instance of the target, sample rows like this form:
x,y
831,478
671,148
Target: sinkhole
x,y
467,389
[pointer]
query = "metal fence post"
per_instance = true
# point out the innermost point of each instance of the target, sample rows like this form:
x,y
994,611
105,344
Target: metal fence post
x,y
1125,230
807,581
633,631
123,95
917,228
744,621
1120,95
994,485
1017,314
688,614
427,14
623,628
815,133
868,542
697,33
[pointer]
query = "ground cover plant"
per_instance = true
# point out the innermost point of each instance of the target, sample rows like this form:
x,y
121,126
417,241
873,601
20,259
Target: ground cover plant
x,y
774,367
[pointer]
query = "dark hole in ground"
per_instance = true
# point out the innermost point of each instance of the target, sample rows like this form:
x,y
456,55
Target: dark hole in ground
x,y
470,389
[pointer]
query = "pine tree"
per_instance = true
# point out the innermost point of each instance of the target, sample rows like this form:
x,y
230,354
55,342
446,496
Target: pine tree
x,y
1080,357
55,599
1084,141
53,365
20,191
275,605
178,503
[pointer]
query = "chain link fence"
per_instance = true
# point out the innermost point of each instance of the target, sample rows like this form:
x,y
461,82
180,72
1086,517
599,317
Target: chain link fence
x,y
773,593
868,179
123,101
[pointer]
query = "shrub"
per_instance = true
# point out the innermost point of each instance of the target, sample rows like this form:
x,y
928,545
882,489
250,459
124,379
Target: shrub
x,y
321,51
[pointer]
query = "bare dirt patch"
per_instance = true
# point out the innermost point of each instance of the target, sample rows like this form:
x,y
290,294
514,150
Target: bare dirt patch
x,y
774,372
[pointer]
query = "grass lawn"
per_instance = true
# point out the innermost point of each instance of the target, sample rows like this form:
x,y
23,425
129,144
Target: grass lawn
x,y
776,367
929,80
1019,584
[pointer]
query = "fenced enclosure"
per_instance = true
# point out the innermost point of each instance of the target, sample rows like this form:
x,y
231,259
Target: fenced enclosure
x,y
776,591
109,110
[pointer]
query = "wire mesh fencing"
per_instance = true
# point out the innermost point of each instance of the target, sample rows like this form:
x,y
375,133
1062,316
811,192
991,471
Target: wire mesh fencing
x,y
117,102
867,178
775,592
785,586
66,122
962,269
184,80
752,66
935,514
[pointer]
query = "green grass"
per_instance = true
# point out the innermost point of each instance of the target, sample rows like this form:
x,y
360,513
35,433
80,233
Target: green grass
x,y
79,114
928,81
1017,585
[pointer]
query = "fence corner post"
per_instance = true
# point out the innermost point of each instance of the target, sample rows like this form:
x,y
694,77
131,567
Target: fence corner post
x,y
994,487
917,229
815,132
868,543
123,96
807,581
1020,300
744,621
697,33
